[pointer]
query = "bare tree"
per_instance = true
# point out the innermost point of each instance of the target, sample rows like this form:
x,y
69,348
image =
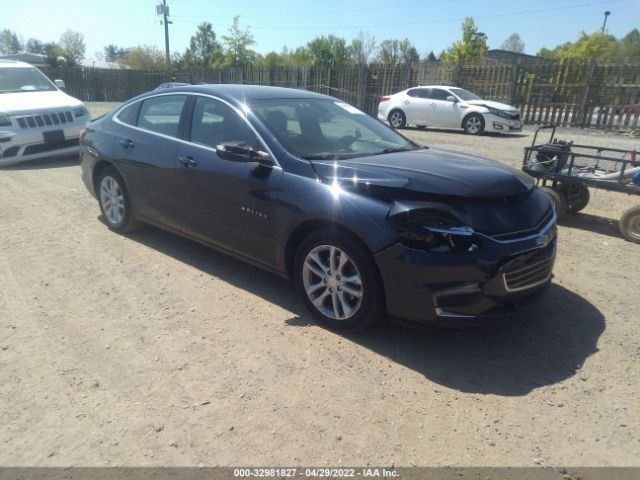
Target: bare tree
x,y
361,48
73,47
9,42
513,43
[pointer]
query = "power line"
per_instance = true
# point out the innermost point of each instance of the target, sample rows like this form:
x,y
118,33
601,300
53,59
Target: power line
x,y
424,22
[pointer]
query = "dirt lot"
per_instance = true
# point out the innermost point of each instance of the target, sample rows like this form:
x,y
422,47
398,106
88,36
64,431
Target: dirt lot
x,y
152,350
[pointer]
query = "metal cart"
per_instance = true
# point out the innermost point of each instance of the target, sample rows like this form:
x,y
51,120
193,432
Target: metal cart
x,y
566,171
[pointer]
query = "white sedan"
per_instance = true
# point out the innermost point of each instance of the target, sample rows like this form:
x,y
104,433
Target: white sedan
x,y
452,107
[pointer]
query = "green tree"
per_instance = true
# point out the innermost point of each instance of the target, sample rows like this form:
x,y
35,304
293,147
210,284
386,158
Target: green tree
x,y
113,53
54,54
597,46
513,43
9,42
472,46
204,50
73,47
397,52
238,42
630,44
329,50
361,48
35,46
145,57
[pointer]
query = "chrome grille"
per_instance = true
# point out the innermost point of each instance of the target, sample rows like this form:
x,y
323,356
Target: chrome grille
x,y
44,119
529,270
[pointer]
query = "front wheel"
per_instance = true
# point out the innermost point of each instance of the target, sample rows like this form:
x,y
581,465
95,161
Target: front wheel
x,y
474,124
339,282
577,196
397,119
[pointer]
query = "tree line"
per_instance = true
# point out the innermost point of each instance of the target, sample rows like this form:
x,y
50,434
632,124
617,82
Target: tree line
x,y
235,48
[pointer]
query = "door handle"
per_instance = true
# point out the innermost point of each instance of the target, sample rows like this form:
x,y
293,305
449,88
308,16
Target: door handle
x,y
127,143
406,102
188,162
433,105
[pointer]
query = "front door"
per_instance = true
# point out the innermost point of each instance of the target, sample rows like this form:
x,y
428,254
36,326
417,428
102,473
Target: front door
x,y
440,111
231,204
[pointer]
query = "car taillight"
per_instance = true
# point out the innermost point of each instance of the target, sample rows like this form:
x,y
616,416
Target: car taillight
x,y
385,98
83,132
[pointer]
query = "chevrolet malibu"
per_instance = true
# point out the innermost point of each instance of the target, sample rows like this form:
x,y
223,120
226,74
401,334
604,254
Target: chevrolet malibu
x,y
366,223
451,107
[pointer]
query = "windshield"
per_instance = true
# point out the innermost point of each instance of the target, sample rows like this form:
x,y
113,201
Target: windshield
x,y
327,129
464,94
13,80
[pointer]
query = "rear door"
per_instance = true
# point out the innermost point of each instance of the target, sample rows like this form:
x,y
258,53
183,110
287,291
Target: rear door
x,y
231,204
416,105
146,148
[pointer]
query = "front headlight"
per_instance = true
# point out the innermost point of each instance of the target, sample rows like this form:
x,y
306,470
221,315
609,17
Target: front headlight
x,y
80,112
5,121
436,231
497,113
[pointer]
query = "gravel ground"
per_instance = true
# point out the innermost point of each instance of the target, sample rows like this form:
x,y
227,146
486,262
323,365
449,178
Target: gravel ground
x,y
149,349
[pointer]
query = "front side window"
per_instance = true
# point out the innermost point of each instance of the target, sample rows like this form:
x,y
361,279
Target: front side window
x,y
16,80
162,114
326,129
214,123
465,95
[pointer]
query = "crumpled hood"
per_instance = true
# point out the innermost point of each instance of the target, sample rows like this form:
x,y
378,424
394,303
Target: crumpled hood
x,y
434,171
497,105
24,102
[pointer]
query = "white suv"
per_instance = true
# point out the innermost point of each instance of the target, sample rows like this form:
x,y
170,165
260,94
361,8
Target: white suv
x,y
36,118
451,107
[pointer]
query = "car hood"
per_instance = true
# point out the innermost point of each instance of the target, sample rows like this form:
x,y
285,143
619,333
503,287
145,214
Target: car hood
x,y
428,171
496,105
30,101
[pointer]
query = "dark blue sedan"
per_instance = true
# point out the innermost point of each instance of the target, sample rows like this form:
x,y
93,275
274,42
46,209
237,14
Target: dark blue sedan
x,y
365,222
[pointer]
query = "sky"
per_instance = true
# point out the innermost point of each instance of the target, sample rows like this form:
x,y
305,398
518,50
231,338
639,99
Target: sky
x,y
428,24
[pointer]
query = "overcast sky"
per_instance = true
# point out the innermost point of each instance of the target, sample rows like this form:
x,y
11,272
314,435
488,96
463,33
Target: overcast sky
x,y
429,24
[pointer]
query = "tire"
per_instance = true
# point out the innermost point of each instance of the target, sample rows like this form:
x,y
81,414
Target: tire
x,y
558,198
473,124
114,202
630,224
577,196
334,307
397,119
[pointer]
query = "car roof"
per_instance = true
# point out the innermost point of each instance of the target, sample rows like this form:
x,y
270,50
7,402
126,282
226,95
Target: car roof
x,y
435,86
6,63
242,93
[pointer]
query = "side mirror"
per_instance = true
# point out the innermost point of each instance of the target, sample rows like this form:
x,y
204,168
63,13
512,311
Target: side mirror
x,y
60,84
453,99
240,152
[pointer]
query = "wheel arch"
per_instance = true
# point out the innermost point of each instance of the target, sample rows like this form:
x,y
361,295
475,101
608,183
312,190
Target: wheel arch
x,y
97,170
306,228
468,114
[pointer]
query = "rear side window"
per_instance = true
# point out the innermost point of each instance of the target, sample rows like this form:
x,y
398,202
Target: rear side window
x,y
419,92
162,114
129,115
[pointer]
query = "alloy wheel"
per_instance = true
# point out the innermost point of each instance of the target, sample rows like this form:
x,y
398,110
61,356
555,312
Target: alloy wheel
x,y
396,119
474,124
112,200
332,282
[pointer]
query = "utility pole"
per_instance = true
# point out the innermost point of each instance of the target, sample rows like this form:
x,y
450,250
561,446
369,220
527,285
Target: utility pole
x,y
163,9
606,15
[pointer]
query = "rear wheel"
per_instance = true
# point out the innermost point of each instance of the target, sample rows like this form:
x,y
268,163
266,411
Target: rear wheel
x,y
630,224
559,200
338,281
577,196
397,119
114,201
473,124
